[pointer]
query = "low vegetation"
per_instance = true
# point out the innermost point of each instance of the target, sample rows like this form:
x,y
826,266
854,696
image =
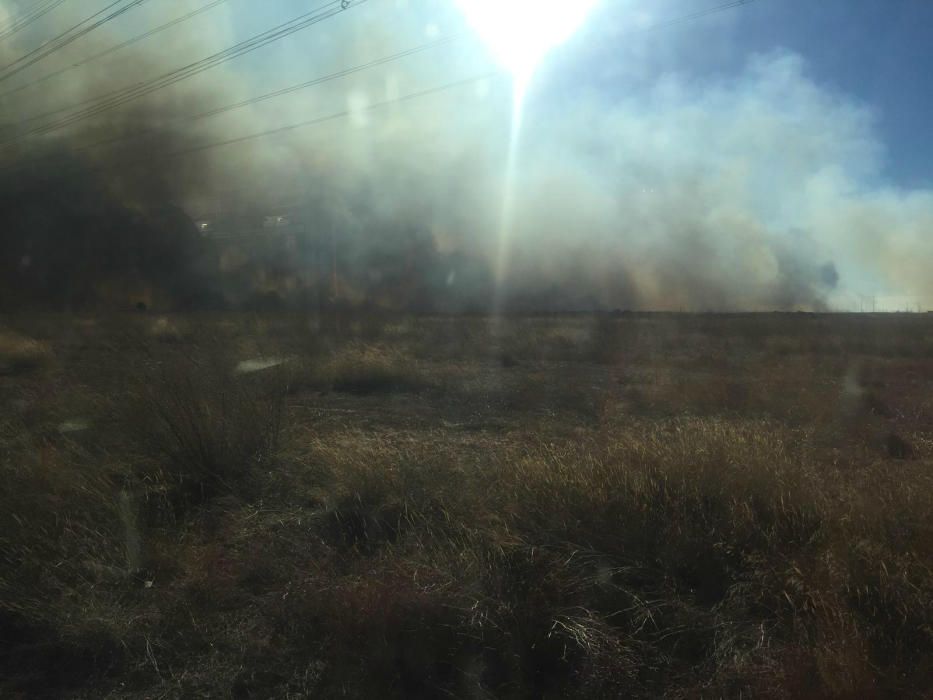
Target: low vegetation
x,y
632,506
21,354
370,370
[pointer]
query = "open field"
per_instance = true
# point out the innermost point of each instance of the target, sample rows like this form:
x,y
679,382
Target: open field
x,y
634,505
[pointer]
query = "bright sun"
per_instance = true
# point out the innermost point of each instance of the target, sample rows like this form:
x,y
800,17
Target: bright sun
x,y
521,32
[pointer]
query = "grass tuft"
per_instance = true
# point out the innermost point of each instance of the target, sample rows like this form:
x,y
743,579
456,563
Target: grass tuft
x,y
204,430
368,370
20,354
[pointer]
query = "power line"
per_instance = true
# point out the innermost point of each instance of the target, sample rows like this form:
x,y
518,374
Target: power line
x,y
375,63
167,79
119,97
286,90
699,14
355,69
18,15
387,103
294,88
29,17
375,106
310,122
327,78
57,38
65,38
278,93
117,47
36,117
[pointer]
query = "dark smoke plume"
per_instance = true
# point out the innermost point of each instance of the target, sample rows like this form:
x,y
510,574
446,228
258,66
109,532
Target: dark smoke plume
x,y
746,193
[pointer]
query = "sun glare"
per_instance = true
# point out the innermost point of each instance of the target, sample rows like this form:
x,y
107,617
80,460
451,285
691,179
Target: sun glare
x,y
521,32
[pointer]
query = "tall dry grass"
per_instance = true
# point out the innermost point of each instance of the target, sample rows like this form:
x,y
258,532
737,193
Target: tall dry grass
x,y
202,429
691,557
398,514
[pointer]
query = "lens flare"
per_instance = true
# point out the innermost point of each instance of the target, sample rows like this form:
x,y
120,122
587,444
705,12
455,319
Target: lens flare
x,y
521,32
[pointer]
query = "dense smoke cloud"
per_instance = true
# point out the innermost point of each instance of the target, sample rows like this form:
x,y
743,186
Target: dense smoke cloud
x,y
756,191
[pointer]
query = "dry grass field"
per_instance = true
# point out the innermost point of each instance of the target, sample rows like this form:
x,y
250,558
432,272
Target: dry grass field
x,y
637,505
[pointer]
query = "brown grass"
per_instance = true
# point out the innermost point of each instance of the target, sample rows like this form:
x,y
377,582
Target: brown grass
x,y
202,429
618,513
20,354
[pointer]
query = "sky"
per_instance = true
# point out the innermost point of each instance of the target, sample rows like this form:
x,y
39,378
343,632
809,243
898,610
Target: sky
x,y
774,155
877,52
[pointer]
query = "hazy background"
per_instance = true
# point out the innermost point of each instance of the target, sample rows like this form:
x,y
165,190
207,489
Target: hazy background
x,y
772,156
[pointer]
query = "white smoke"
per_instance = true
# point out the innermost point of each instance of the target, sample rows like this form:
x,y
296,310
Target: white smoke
x,y
691,193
